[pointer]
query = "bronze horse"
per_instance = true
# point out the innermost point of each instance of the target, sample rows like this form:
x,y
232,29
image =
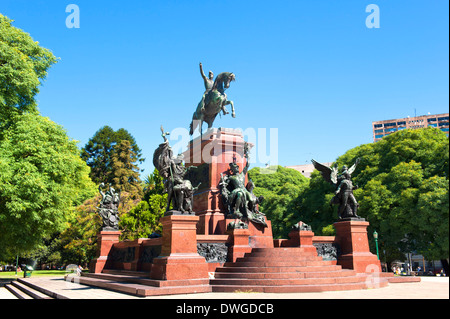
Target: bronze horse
x,y
213,102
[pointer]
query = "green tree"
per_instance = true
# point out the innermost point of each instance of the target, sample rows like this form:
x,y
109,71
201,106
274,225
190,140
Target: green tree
x,y
23,66
99,151
41,178
125,173
403,193
279,189
143,219
78,241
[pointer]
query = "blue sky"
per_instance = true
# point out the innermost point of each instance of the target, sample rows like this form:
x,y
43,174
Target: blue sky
x,y
311,69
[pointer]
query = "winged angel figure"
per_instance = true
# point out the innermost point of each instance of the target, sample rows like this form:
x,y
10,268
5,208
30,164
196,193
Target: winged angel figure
x,y
344,187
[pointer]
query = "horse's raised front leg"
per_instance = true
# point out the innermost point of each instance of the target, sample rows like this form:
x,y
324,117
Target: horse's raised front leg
x,y
233,114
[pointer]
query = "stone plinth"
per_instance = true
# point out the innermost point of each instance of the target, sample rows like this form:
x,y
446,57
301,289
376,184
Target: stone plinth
x,y
105,241
212,153
238,243
302,238
179,259
351,235
260,237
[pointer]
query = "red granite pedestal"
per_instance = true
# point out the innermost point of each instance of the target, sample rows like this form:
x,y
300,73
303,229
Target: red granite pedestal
x,y
304,239
351,235
238,243
105,241
212,153
179,259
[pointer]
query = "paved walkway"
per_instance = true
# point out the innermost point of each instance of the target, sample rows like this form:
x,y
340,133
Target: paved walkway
x,y
428,288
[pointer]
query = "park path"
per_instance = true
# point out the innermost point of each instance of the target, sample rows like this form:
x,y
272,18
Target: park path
x,y
427,288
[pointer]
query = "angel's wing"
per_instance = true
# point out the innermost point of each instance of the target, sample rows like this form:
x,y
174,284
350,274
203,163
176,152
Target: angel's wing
x,y
353,167
329,174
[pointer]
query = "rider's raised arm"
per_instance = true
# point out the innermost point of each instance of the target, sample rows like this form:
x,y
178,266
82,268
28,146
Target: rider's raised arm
x,y
201,72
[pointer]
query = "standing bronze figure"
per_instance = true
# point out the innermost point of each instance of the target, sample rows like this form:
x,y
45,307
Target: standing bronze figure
x,y
180,191
343,197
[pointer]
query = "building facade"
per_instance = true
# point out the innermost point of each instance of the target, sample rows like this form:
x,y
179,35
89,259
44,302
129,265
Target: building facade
x,y
386,127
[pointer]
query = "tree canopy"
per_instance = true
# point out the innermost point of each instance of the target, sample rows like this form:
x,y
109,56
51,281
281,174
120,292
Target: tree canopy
x,y
101,149
41,177
403,193
23,66
279,189
143,219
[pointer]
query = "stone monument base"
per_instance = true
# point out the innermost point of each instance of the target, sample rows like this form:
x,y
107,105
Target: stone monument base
x,y
105,241
258,236
179,258
351,235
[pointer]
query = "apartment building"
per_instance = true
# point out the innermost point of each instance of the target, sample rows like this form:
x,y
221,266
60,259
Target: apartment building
x,y
386,127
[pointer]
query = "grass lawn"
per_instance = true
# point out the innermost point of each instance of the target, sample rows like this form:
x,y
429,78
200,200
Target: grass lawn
x,y
36,273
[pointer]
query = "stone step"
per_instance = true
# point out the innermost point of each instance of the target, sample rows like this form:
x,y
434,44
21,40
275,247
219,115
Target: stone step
x,y
391,278
26,291
117,276
287,281
122,272
29,282
300,257
275,269
279,263
282,252
140,289
289,288
284,275
175,290
19,294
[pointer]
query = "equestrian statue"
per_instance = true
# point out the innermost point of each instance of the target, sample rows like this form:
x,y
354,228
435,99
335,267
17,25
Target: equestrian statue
x,y
213,100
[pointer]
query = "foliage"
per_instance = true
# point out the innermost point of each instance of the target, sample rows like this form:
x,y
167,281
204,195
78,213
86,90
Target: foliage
x,y
403,193
125,173
79,239
143,219
41,178
100,149
279,189
23,65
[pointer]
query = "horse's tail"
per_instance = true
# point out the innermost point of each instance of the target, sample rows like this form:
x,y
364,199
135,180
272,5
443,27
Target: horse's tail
x,y
191,128
194,124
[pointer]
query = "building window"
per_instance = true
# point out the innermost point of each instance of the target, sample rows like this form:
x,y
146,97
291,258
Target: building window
x,y
379,136
378,125
443,118
390,124
401,123
431,120
378,131
433,124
